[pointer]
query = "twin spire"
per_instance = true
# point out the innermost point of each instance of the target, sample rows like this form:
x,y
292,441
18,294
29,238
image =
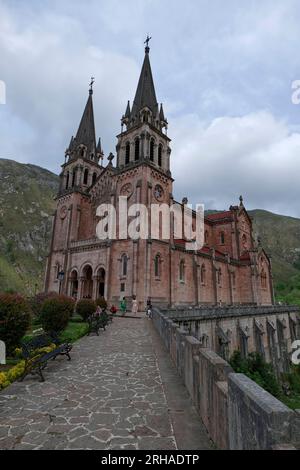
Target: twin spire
x,y
145,99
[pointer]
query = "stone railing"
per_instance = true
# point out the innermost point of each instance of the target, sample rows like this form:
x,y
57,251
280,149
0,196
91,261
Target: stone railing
x,y
206,312
237,413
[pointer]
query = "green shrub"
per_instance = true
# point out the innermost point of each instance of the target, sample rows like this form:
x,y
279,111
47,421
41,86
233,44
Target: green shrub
x,y
56,312
101,302
15,317
37,301
257,369
85,308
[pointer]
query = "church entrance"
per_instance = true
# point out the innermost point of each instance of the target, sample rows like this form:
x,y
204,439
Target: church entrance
x,y
87,281
101,282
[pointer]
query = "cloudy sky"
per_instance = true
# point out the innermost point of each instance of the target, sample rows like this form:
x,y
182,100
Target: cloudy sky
x,y
224,71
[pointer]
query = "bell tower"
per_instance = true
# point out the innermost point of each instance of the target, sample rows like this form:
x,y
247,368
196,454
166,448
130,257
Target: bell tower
x,y
143,137
83,157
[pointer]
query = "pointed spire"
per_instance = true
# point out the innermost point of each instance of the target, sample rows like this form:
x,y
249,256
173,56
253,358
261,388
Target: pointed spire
x,y
86,134
99,147
145,93
161,113
127,112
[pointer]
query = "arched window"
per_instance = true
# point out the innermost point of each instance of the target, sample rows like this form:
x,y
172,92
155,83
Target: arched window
x,y
67,180
85,176
203,274
263,279
160,155
74,177
137,149
94,178
206,237
157,265
127,153
181,271
152,150
124,262
82,152
222,238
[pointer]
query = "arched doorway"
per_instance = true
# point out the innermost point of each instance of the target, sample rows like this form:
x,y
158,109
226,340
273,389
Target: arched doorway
x,y
74,284
87,281
101,282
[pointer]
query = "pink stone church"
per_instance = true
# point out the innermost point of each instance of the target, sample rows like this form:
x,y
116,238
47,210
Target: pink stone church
x,y
231,268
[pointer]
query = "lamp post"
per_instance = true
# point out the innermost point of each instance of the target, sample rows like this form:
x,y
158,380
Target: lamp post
x,y
61,276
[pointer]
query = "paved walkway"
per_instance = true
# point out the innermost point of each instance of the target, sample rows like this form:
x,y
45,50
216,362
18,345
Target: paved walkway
x,y
120,391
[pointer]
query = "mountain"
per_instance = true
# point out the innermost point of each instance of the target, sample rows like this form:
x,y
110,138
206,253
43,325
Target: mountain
x,y
280,236
27,204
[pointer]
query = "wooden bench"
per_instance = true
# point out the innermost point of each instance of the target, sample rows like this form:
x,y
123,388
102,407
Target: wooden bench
x,y
36,364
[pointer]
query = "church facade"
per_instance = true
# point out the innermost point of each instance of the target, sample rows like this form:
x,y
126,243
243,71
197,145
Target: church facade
x,y
230,268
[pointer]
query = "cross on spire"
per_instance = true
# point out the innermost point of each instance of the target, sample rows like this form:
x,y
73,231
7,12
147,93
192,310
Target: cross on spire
x,y
91,85
147,43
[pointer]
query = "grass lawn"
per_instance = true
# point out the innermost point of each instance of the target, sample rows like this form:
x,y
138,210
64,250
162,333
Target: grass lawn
x,y
74,331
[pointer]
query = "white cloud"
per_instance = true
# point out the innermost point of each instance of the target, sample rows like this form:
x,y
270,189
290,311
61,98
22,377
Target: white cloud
x,y
254,155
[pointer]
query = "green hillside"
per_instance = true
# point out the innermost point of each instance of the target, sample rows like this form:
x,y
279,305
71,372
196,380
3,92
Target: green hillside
x,y
26,206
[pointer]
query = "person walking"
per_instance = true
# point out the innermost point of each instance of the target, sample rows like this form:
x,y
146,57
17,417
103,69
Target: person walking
x,y
134,305
123,306
149,308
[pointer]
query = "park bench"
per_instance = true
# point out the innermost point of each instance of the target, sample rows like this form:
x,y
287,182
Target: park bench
x,y
96,322
36,364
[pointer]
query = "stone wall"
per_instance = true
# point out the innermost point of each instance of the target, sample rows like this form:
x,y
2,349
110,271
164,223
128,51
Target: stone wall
x,y
269,330
237,413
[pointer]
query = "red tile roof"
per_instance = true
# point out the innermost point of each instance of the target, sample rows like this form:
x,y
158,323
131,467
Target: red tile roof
x,y
219,215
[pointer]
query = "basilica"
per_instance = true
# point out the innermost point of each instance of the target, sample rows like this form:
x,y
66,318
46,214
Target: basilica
x,y
231,268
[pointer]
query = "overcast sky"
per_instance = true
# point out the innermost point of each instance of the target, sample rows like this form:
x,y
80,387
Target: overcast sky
x,y
223,70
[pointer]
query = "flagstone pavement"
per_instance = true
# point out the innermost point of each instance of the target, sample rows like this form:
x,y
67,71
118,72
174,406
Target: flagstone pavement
x,y
119,391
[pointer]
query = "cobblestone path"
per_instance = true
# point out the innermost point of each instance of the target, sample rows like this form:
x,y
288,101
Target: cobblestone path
x,y
110,396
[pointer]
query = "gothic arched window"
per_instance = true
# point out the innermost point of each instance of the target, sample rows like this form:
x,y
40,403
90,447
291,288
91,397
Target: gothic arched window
x,y
152,150
157,263
74,177
82,152
181,271
160,155
124,262
202,274
206,237
86,176
137,149
127,153
222,238
263,279
94,178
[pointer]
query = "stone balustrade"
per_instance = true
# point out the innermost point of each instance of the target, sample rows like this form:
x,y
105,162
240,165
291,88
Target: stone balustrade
x,y
237,413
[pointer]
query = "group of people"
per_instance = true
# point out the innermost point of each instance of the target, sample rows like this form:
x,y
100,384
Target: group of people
x,y
134,308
